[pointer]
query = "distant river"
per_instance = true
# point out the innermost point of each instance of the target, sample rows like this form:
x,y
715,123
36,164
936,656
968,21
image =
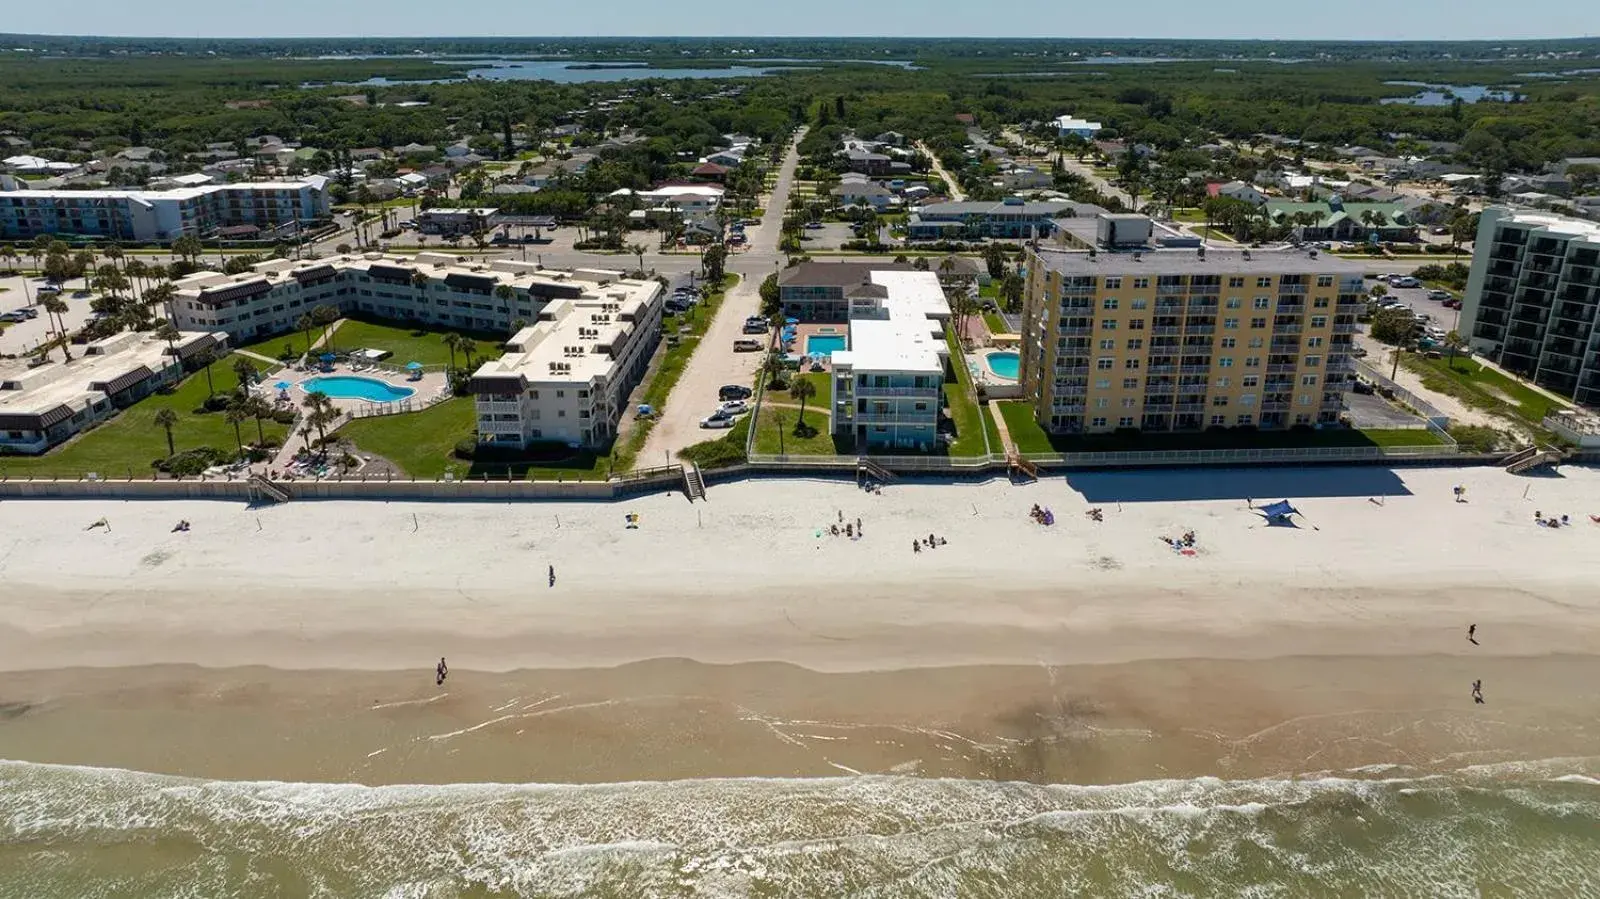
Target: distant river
x,y
573,72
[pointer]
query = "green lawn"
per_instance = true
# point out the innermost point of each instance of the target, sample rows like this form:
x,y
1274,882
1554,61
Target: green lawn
x,y
996,443
1188,215
132,441
407,343
1483,388
423,445
1215,234
773,439
1031,439
997,325
963,407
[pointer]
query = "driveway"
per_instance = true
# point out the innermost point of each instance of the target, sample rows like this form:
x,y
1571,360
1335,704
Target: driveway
x,y
950,181
20,338
714,362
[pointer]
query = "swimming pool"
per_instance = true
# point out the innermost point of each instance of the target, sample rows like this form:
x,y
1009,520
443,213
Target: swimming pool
x,y
350,387
825,344
1004,364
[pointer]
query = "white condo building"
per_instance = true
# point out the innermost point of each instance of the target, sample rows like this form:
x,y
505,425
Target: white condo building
x,y
887,385
163,215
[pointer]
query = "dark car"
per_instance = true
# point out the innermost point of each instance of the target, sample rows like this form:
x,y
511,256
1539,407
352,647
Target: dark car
x,y
731,392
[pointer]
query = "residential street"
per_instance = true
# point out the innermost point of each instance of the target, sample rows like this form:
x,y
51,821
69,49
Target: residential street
x,y
938,169
714,362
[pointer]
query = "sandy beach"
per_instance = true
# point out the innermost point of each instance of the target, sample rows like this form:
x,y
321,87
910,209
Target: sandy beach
x,y
729,700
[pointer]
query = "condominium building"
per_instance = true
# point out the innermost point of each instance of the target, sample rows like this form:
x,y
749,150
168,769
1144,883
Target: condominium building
x,y
824,291
43,405
428,288
566,378
1181,340
886,386
1531,299
163,215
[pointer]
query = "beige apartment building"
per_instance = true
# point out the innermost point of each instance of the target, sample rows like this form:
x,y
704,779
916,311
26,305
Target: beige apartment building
x,y
1164,340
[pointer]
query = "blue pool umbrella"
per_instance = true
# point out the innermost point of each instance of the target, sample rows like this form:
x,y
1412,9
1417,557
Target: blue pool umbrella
x,y
282,385
791,321
414,366
328,357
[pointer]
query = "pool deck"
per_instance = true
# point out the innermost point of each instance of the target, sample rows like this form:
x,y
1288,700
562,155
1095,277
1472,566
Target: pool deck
x,y
427,388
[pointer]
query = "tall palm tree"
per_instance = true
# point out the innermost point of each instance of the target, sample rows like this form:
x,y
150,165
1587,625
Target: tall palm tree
x,y
161,295
468,347
322,317
1453,342
303,325
169,333
136,272
114,253
8,254
637,249
245,372
258,409
507,294
802,389
166,419
452,342
419,283
321,414
56,306
204,359
235,415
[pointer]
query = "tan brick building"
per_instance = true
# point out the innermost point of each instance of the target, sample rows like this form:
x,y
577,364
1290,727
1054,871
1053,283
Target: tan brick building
x,y
1183,340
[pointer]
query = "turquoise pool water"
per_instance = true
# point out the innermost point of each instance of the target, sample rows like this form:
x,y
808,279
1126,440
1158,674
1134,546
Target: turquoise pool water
x,y
350,387
1004,364
825,344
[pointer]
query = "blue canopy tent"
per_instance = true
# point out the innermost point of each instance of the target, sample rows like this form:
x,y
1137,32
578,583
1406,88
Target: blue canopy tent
x,y
1278,513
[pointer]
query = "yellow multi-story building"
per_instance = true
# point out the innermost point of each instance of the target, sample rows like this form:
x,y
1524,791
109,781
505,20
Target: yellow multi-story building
x,y
1183,340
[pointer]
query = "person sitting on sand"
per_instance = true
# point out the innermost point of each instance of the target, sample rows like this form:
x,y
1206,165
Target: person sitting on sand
x,y
916,546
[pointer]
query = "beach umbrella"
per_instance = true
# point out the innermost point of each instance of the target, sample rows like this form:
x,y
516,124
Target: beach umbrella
x,y
414,366
328,357
282,385
791,321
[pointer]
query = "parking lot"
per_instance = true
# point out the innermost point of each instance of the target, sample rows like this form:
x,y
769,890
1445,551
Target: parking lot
x,y
20,338
1416,298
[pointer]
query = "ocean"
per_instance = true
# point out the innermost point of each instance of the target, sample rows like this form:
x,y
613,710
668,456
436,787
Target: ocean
x,y
1509,829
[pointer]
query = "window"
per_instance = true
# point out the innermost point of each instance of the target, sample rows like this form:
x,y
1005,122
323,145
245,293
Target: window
x,y
1257,343
1097,422
1128,402
1225,362
1131,364
1246,419
1250,380
1130,383
1219,420
1263,302
561,394
1229,343
1125,421
1219,401
1252,362
1308,380
1248,399
1258,323
1135,324
1141,283
583,394
1101,403
1313,361
1139,303
1319,321
1303,399
1264,281
1319,303
1108,343
1108,303
1222,382
1113,283
1105,364
1230,324
1313,342
1324,280
1108,324
1235,282
1102,384
1135,343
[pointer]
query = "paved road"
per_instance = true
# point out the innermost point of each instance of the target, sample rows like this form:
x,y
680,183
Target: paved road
x,y
951,183
714,362
1071,164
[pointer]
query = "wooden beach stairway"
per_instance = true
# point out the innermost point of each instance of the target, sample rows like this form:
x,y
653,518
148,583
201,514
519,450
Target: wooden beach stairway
x,y
263,489
1531,457
866,468
694,486
1021,468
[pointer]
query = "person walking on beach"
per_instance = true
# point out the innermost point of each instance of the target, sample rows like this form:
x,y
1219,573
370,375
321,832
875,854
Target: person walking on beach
x,y
441,672
552,575
1472,634
1477,691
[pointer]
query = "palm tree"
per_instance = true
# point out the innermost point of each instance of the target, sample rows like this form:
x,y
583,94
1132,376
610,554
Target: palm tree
x,y
204,359
8,254
166,419
468,346
1453,342
773,366
452,342
305,434
802,389
303,325
137,272
113,253
56,306
419,283
245,372
258,409
322,317
236,415
637,249
507,294
162,294
169,333
322,413
188,248
1011,288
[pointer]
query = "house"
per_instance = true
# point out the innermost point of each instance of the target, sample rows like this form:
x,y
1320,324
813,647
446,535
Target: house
x,y
1022,177
1551,183
415,149
1071,126
37,165
507,190
687,199
1565,166
458,222
728,158
702,228
1237,190
891,139
457,149
864,193
366,154
194,179
1426,210
710,171
382,188
1012,218
966,118
866,162
411,182
138,154
1337,220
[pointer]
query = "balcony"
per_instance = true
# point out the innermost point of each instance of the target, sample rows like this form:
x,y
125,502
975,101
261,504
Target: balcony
x,y
1282,369
1194,369
1200,330
1202,307
1189,408
1344,329
1291,289
914,392
1167,290
1162,369
1068,409
1074,332
1166,332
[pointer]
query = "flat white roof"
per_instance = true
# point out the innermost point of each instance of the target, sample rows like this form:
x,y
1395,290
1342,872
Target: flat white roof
x,y
907,338
58,382
1559,224
577,340
177,193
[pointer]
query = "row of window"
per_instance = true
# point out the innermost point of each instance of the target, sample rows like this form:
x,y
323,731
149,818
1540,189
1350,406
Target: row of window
x,y
1106,363
1114,282
1220,421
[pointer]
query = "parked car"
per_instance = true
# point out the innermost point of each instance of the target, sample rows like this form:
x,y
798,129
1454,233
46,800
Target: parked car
x,y
755,327
717,419
734,392
813,226
1452,304
1439,295
1407,281
734,407
12,317
746,345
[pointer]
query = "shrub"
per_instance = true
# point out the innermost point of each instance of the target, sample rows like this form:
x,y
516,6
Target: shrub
x,y
192,462
1476,439
216,402
721,452
283,416
467,448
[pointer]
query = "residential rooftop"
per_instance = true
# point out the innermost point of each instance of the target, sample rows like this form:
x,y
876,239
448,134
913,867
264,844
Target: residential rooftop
x,y
97,370
902,329
576,340
1580,229
1192,262
836,274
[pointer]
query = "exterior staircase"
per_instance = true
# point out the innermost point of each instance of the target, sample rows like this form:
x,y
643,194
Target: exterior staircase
x,y
263,489
866,468
1531,457
694,486
1022,467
